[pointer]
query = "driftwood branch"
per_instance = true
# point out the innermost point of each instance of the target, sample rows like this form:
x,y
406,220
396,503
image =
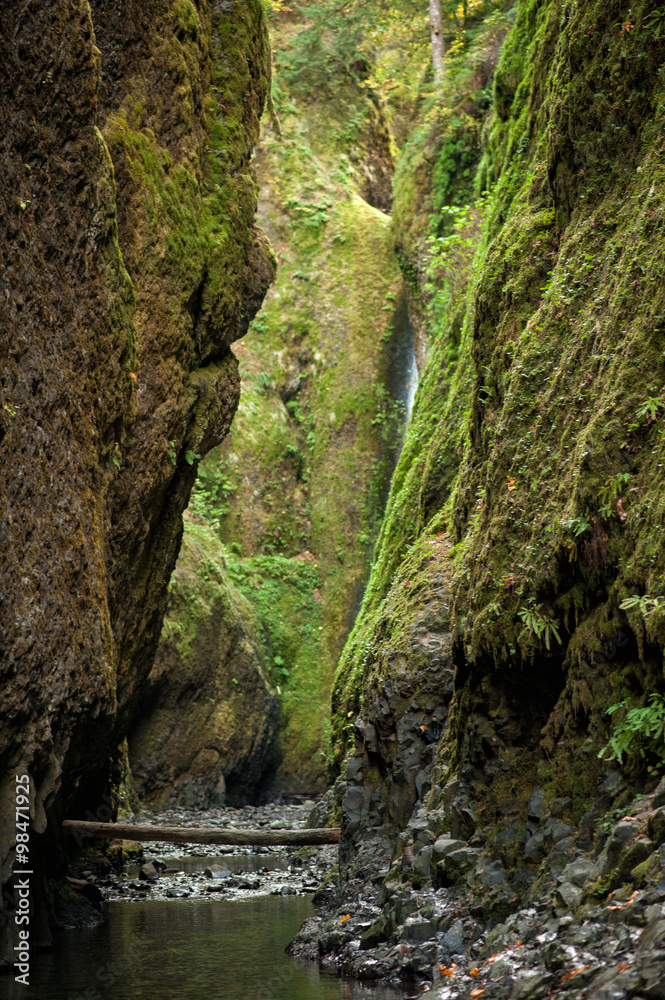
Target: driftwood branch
x,y
198,835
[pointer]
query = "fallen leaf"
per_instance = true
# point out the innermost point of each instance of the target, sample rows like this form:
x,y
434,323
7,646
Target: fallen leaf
x,y
622,966
512,483
447,970
575,972
345,917
476,993
474,972
132,376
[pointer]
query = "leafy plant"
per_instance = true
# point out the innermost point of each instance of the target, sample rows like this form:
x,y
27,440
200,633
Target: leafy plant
x,y
450,257
538,624
578,525
212,489
610,493
280,670
191,456
650,408
332,43
173,455
641,731
311,215
645,605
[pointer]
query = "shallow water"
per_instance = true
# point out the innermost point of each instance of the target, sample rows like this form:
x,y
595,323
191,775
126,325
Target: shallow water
x,y
234,862
188,949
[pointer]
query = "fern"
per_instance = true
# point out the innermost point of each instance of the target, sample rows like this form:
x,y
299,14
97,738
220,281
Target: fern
x,y
642,731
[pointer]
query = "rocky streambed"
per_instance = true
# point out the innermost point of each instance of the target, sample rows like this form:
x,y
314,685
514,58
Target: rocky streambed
x,y
582,929
606,952
163,870
588,924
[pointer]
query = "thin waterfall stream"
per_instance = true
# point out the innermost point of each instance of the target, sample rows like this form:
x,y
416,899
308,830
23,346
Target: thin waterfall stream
x,y
401,368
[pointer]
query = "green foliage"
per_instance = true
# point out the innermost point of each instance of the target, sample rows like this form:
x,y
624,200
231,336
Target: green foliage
x,y
641,732
538,624
651,408
645,605
610,493
450,260
578,525
212,490
281,592
331,44
310,215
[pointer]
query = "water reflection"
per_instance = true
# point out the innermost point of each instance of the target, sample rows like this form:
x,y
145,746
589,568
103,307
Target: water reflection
x,y
188,950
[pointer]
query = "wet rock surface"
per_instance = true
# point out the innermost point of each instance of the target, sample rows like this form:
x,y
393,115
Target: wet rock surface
x,y
606,950
117,373
454,920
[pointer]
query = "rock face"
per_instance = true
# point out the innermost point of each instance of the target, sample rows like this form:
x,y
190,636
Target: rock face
x,y
207,721
530,479
130,263
297,489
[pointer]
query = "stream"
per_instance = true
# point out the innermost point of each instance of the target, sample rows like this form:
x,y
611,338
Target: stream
x,y
214,938
188,949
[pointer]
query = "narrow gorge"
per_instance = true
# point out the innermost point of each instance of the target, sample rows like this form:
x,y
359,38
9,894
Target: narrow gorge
x,y
332,403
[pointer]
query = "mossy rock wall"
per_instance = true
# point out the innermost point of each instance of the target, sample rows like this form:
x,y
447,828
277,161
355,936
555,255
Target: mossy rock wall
x,y
206,729
536,448
130,263
300,482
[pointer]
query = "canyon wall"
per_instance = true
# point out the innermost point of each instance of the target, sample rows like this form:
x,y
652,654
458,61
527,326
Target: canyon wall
x,y
130,263
517,592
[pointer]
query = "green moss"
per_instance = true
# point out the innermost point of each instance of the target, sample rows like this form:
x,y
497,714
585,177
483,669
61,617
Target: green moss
x,y
185,19
305,469
531,442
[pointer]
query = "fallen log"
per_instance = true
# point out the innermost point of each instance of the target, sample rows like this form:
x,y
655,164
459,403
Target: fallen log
x,y
201,835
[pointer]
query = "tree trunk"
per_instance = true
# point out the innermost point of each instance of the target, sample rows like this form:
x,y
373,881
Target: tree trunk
x,y
436,29
193,835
